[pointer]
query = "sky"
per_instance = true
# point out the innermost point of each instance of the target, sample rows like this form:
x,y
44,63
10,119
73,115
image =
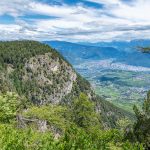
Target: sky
x,y
75,20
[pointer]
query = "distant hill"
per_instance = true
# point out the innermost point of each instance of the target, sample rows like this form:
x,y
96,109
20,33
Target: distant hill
x,y
128,46
77,53
124,52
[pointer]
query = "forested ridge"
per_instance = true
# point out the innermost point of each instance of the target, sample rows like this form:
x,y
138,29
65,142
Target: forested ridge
x,y
46,105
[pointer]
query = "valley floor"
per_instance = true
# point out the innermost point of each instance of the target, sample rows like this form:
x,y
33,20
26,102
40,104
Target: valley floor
x,y
123,88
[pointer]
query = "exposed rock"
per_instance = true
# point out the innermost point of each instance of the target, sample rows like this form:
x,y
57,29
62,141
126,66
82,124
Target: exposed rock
x,y
42,125
54,78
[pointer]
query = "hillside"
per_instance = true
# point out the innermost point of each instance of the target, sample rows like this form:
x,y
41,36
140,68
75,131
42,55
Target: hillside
x,y
43,76
38,72
46,105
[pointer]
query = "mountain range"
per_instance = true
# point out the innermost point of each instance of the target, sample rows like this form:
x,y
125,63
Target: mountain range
x,y
123,52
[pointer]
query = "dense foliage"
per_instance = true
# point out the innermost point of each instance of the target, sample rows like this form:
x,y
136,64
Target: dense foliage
x,y
18,52
9,106
83,113
76,135
141,129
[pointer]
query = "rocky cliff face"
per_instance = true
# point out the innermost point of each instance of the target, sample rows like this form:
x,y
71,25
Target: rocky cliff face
x,y
53,77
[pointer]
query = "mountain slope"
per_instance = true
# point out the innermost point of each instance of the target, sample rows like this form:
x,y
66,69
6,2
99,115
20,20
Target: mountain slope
x,y
43,76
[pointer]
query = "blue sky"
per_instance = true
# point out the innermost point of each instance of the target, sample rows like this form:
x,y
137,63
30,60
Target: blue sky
x,y
75,20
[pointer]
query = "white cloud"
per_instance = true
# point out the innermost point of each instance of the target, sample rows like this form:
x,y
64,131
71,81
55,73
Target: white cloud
x,y
138,11
106,2
117,20
13,7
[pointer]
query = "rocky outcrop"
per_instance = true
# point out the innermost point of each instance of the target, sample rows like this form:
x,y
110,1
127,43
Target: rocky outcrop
x,y
53,77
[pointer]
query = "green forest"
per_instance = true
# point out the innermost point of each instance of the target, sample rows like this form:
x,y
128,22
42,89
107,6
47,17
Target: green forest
x,y
76,120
